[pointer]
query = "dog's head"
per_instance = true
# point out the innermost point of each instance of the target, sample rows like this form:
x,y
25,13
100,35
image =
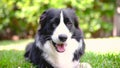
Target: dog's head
x,y
59,25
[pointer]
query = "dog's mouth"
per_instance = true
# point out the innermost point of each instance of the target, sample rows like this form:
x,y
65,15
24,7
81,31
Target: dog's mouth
x,y
60,47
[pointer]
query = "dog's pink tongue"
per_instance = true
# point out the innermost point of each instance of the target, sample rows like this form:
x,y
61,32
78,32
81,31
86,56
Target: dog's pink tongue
x,y
60,47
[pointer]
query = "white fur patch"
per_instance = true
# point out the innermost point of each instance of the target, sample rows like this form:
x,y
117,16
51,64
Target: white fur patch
x,y
61,29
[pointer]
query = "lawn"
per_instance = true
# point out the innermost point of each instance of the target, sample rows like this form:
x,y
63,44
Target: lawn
x,y
11,56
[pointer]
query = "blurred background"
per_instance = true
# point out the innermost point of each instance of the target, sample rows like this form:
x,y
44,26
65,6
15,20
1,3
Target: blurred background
x,y
97,18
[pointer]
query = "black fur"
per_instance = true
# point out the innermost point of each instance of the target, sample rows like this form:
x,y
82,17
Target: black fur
x,y
33,54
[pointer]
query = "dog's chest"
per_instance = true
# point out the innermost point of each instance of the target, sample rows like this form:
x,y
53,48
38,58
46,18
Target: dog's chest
x,y
64,60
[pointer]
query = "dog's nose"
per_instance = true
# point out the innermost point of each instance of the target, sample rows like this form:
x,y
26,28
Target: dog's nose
x,y
63,37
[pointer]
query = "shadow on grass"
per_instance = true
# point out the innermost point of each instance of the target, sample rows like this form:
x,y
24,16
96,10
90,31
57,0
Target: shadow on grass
x,y
13,59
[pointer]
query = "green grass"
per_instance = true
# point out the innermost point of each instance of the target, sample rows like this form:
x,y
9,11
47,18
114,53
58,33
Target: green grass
x,y
97,60
14,58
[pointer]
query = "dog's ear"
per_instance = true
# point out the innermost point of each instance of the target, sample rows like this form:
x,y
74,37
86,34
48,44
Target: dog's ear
x,y
75,17
76,22
43,19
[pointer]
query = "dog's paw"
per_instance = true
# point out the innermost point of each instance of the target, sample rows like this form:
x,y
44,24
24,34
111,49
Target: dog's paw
x,y
85,65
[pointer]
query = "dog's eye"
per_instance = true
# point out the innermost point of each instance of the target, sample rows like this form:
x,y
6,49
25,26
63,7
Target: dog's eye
x,y
56,22
66,20
69,24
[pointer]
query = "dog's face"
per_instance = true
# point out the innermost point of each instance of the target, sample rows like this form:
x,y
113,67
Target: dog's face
x,y
59,25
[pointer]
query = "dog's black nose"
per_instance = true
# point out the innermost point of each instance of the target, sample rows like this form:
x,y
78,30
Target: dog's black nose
x,y
63,37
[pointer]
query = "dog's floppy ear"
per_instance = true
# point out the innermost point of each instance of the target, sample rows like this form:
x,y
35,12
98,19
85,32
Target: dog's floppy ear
x,y
76,22
75,17
43,19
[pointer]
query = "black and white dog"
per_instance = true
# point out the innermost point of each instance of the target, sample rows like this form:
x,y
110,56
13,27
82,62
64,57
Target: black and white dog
x,y
59,41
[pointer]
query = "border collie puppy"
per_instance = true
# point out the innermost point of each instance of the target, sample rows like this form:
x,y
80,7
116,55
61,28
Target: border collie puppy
x,y
59,41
